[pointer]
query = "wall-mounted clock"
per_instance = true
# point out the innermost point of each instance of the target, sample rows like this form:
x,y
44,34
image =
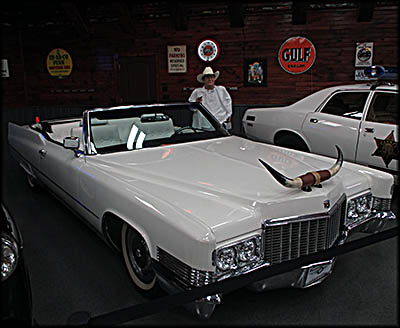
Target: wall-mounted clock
x,y
208,50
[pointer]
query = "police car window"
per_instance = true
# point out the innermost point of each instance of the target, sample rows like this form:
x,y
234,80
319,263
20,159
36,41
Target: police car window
x,y
383,108
346,104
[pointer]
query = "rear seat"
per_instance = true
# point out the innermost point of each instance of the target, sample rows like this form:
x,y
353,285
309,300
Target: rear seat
x,y
77,131
124,126
105,135
156,129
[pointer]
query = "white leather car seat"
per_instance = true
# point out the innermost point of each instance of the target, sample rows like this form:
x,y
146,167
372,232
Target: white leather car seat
x,y
105,135
156,129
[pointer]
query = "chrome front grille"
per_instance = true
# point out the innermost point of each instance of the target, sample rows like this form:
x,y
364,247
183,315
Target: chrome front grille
x,y
184,275
288,239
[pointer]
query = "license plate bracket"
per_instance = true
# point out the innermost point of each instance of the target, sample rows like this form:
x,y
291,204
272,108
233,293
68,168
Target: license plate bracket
x,y
315,273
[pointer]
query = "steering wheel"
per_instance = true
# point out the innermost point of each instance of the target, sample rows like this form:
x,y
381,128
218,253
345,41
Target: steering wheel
x,y
187,128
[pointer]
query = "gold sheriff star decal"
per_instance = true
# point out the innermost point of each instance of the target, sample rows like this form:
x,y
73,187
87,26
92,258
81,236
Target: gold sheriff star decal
x,y
387,148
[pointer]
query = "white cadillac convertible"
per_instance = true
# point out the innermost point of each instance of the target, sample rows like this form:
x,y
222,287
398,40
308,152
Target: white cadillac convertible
x,y
168,187
360,118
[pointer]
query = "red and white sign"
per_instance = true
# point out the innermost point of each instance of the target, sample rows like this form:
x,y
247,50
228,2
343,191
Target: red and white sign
x,y
208,50
297,55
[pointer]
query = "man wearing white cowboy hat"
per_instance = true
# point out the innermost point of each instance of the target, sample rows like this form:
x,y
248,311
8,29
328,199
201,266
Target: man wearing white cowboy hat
x,y
214,97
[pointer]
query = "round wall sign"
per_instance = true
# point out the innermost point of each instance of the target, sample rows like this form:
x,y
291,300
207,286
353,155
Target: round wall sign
x,y
59,63
208,50
297,55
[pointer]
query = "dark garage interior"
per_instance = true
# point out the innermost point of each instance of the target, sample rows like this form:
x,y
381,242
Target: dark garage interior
x,y
119,54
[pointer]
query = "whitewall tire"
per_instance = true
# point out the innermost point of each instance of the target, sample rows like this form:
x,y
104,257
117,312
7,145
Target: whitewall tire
x,y
137,259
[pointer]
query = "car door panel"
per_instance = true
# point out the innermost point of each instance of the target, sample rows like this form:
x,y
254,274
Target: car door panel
x,y
378,145
24,140
61,168
337,122
324,131
378,141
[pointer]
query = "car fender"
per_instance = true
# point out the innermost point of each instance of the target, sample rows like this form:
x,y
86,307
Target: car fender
x,y
111,215
291,131
143,210
133,223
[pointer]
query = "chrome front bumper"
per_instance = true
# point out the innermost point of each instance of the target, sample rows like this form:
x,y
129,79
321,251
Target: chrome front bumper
x,y
299,278
303,277
376,222
202,308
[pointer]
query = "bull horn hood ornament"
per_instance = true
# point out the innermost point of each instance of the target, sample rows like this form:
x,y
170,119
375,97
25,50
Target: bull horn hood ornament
x,y
309,179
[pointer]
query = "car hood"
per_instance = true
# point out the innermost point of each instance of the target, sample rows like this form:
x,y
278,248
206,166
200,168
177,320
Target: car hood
x,y
221,183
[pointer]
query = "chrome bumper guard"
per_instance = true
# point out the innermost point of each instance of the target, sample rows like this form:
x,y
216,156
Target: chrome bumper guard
x,y
374,223
202,308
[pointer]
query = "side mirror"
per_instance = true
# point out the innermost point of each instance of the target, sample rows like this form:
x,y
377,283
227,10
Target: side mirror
x,y
71,142
227,125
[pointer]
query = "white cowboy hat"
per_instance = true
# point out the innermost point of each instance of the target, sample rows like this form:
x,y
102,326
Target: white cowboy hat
x,y
207,71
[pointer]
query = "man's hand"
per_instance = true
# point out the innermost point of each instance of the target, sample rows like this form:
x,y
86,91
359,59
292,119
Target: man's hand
x,y
200,99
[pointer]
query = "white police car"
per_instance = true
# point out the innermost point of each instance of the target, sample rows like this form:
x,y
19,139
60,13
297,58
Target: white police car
x,y
360,118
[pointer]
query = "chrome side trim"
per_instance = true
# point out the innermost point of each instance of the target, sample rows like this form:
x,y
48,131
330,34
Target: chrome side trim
x,y
381,204
185,275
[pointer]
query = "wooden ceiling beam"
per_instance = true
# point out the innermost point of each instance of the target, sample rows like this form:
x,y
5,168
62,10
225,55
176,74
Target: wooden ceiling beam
x,y
74,15
178,16
365,10
126,16
299,15
236,13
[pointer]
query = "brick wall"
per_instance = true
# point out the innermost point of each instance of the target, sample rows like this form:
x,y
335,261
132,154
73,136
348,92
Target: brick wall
x,y
95,77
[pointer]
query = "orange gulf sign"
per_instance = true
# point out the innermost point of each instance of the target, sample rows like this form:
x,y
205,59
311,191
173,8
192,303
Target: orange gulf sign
x,y
59,63
297,55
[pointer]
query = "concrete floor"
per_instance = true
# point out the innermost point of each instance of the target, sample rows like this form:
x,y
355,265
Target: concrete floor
x,y
72,269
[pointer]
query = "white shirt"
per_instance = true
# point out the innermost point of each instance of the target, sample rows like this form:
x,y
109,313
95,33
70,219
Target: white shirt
x,y
217,101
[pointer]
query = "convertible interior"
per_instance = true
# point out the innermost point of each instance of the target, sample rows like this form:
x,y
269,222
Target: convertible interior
x,y
124,130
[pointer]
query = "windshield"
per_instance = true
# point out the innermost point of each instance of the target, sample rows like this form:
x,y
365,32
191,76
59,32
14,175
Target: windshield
x,y
137,127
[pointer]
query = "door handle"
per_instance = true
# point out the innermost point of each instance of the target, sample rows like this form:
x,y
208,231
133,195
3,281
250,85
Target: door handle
x,y
42,152
370,130
314,120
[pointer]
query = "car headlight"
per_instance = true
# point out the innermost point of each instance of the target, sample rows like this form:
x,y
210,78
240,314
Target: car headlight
x,y
238,255
226,259
359,207
247,250
352,210
9,256
364,204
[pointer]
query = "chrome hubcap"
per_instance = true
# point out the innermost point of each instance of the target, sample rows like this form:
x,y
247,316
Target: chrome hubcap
x,y
139,257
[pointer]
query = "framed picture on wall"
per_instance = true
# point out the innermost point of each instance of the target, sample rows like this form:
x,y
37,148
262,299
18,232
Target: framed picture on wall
x,y
255,72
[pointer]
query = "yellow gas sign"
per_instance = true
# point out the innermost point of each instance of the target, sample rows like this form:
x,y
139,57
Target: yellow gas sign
x,y
59,63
